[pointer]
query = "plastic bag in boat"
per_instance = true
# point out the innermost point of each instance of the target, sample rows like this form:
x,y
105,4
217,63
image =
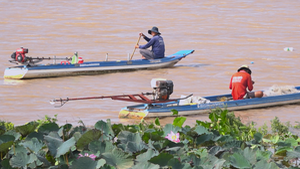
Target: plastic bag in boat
x,y
193,100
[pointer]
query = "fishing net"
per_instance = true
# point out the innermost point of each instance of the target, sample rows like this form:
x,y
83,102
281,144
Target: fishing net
x,y
193,100
280,90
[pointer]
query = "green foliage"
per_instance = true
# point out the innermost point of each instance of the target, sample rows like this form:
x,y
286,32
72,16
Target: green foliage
x,y
5,126
263,129
279,128
84,162
223,142
27,128
227,124
46,120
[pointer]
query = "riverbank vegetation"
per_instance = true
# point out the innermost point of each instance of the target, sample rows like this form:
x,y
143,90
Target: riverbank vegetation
x,y
222,142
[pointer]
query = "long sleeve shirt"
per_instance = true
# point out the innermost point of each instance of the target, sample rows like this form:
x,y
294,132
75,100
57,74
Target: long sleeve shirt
x,y
239,83
158,46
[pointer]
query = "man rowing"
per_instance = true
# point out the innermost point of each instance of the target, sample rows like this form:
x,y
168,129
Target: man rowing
x,y
241,84
157,43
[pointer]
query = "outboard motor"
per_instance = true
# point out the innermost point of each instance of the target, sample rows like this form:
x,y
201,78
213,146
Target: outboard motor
x,y
162,88
19,55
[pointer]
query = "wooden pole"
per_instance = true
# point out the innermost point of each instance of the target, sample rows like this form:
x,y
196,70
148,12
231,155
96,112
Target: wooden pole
x,y
135,48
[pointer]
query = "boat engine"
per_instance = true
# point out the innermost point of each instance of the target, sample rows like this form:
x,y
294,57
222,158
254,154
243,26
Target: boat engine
x,y
19,55
162,88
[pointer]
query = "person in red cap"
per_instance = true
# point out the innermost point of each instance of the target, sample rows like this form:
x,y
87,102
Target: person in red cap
x,y
241,84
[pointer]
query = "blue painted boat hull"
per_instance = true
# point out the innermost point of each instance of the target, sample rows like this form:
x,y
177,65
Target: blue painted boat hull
x,y
164,109
56,70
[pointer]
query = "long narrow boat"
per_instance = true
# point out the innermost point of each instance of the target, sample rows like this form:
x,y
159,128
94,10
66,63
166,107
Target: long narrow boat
x,y
86,68
164,109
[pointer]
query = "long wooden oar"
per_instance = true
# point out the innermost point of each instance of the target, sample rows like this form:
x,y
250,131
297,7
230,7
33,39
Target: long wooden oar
x,y
138,98
134,47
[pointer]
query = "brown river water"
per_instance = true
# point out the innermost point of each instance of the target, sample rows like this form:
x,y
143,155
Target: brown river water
x,y
224,34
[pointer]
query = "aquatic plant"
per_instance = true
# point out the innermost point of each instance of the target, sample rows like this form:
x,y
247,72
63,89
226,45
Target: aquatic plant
x,y
173,137
222,142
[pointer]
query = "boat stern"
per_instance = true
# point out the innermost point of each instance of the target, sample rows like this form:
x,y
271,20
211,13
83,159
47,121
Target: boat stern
x,y
128,113
15,73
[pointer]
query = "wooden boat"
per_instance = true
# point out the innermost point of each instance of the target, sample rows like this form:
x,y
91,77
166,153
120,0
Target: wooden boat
x,y
86,68
164,109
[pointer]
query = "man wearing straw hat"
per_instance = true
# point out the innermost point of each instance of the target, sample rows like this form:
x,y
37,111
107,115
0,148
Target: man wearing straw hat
x,y
240,82
157,43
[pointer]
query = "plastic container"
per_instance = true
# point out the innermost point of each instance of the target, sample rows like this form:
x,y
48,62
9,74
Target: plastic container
x,y
80,60
288,49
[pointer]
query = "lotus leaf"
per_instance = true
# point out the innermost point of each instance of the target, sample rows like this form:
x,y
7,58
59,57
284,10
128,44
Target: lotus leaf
x,y
232,144
118,158
5,142
6,138
53,142
211,161
2,128
84,162
263,155
146,156
239,161
282,151
133,141
258,137
146,165
43,160
108,167
191,159
263,164
204,138
178,121
26,129
65,147
88,137
21,160
18,148
5,164
101,147
162,159
201,130
80,129
292,141
176,164
152,134
62,166
33,145
104,127
48,127
76,135
215,150
13,133
39,136
142,160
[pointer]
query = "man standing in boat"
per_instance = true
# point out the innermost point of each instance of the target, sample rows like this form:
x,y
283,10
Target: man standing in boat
x,y
240,82
157,43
